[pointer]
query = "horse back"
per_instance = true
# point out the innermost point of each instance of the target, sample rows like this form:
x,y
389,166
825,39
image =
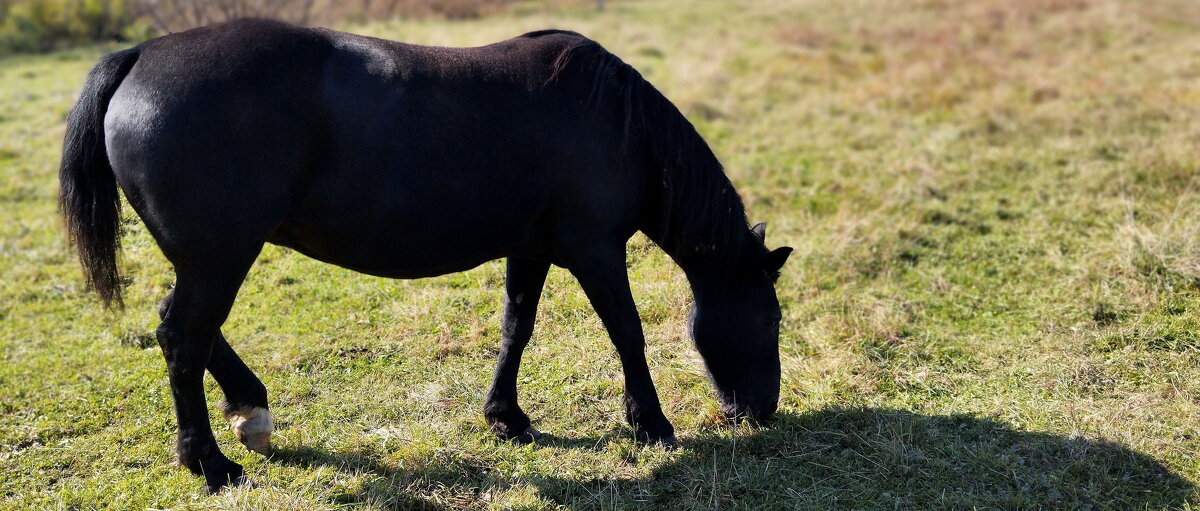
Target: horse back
x,y
371,154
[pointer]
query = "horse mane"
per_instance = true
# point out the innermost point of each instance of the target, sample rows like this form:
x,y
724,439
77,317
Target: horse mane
x,y
701,213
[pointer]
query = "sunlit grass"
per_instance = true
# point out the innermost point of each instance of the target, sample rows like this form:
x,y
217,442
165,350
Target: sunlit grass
x,y
994,301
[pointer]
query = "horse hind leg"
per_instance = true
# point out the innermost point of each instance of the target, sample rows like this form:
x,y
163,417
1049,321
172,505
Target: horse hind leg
x,y
245,404
188,334
250,419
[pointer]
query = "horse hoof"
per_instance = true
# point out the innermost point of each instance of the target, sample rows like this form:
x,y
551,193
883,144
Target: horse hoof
x,y
665,441
529,436
240,481
252,426
228,474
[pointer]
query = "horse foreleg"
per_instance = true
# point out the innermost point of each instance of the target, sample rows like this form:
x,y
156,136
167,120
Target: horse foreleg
x,y
606,284
245,403
523,288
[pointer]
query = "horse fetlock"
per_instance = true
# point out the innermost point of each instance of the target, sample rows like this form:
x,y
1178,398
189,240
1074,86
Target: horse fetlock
x,y
252,425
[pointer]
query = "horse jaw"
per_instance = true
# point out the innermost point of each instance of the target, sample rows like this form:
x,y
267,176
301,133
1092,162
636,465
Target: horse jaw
x,y
252,426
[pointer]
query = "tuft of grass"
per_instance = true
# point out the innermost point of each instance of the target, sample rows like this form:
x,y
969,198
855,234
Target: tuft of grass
x,y
993,302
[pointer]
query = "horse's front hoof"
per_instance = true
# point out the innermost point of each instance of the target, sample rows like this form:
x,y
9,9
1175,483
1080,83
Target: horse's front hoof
x,y
252,426
526,436
669,443
511,423
648,439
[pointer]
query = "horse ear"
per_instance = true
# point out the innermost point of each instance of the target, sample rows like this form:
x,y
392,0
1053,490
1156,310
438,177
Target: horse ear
x,y
776,258
760,232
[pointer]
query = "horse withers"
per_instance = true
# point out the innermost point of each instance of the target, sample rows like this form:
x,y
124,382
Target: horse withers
x,y
409,161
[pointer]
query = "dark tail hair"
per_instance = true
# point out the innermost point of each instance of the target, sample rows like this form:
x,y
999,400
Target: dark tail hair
x,y
700,210
87,193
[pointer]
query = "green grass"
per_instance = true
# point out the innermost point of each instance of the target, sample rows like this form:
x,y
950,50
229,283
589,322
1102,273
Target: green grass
x,y
994,301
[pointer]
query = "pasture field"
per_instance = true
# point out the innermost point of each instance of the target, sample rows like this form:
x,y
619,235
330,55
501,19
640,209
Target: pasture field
x,y
994,301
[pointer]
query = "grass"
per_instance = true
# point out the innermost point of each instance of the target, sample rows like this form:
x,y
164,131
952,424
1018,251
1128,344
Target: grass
x,y
994,302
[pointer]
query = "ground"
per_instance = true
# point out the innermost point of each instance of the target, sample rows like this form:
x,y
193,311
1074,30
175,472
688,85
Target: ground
x,y
994,301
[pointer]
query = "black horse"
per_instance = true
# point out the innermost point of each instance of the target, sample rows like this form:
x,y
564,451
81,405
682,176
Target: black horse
x,y
409,161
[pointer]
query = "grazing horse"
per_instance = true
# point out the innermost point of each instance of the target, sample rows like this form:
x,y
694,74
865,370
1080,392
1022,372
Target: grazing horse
x,y
408,161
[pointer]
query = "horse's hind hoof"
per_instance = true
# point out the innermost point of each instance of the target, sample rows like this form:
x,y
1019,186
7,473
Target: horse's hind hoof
x,y
241,481
225,474
529,436
252,426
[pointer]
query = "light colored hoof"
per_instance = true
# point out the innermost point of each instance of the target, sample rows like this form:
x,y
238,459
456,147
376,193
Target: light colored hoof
x,y
252,427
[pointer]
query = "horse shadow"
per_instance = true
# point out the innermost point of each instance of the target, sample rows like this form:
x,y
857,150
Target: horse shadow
x,y
831,458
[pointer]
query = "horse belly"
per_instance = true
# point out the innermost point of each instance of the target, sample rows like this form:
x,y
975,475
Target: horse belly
x,y
413,232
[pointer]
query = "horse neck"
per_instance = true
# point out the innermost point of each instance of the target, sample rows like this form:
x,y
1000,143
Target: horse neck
x,y
709,262
714,268
701,221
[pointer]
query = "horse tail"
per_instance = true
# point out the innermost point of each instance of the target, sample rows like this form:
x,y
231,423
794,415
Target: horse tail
x,y
87,194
